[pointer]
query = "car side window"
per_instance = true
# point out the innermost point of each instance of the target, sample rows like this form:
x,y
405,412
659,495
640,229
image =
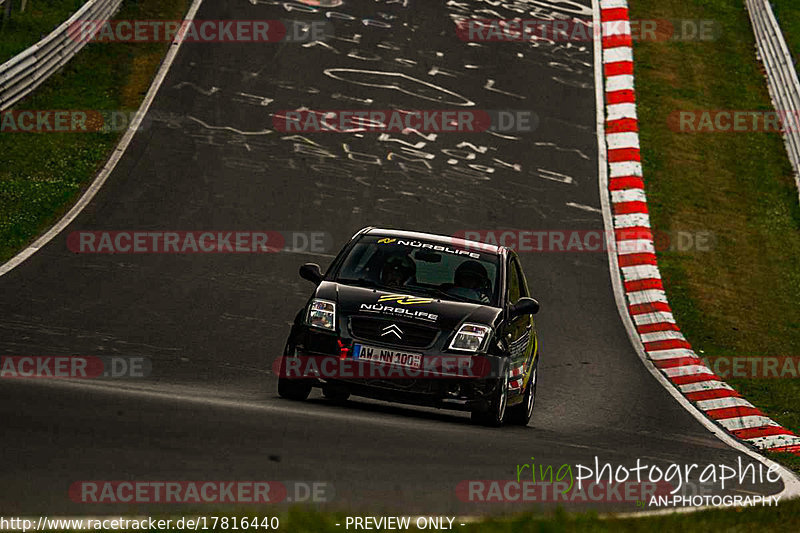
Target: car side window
x,y
513,282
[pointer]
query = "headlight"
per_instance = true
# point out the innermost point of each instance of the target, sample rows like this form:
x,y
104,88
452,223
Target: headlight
x,y
470,337
322,314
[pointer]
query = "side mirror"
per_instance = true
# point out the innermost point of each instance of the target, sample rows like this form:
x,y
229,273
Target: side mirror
x,y
311,272
525,306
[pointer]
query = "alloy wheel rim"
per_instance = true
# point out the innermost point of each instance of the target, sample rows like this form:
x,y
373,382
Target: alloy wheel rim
x,y
531,393
503,398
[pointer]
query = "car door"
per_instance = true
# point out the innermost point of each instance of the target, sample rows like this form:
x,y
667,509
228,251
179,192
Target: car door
x,y
533,340
519,333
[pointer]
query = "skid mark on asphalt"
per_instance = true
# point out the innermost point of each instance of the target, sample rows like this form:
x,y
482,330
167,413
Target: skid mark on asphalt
x,y
584,207
229,128
554,146
206,92
393,68
398,81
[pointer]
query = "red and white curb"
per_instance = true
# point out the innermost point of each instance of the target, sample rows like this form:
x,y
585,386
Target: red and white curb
x,y
646,300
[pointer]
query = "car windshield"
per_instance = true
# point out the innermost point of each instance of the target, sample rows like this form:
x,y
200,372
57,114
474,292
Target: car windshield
x,y
439,270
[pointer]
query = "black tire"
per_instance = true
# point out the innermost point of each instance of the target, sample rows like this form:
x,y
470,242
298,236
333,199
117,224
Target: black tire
x,y
495,414
292,389
335,393
520,414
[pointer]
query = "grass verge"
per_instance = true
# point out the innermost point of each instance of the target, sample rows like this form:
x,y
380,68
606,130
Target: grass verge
x,y
25,29
740,298
789,20
43,173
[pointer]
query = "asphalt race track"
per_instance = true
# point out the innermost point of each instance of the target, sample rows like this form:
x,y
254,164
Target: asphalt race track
x,y
212,324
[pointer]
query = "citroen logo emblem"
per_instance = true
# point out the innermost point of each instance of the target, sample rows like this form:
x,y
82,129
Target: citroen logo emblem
x,y
392,329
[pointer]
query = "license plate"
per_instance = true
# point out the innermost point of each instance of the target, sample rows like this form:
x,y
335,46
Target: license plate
x,y
387,356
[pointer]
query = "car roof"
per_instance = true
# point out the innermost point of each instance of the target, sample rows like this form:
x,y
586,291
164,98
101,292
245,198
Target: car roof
x,y
432,237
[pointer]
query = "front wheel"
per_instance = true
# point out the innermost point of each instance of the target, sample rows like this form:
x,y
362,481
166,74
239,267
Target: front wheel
x,y
521,414
292,389
495,414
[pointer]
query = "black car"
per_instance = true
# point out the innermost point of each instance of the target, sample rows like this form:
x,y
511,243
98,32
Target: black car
x,y
418,318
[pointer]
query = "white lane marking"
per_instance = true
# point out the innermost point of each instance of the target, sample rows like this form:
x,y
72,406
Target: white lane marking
x,y
722,403
619,83
116,155
636,246
791,482
628,195
632,220
635,273
620,111
674,353
624,139
773,441
647,296
687,370
616,27
746,422
620,53
644,319
704,386
656,336
627,168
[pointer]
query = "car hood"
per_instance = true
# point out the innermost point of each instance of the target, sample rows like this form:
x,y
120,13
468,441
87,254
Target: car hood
x,y
446,314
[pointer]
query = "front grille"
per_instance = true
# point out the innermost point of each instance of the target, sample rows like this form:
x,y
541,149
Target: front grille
x,y
412,335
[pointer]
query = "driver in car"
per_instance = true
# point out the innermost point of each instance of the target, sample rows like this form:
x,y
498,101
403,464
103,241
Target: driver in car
x,y
471,281
398,270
